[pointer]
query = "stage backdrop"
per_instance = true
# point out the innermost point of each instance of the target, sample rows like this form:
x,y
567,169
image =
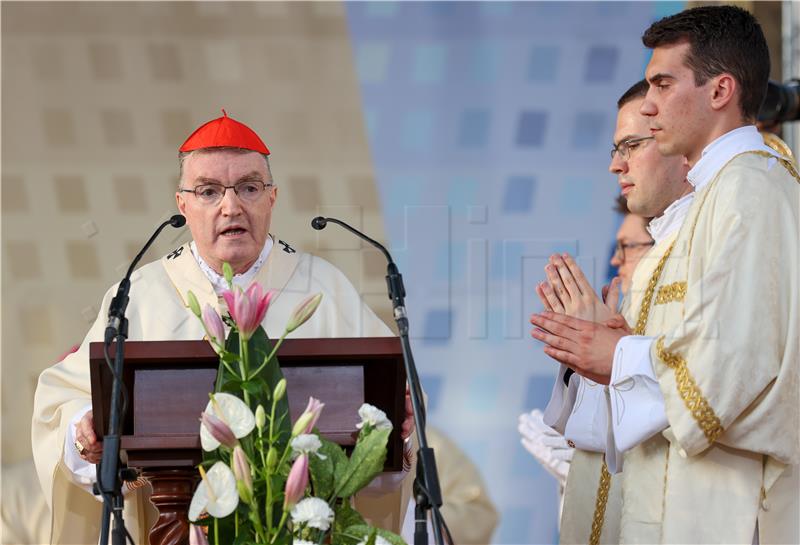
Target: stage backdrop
x,y
472,138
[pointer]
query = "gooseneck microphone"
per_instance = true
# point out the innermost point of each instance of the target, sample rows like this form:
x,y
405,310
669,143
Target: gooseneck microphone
x,y
427,491
109,475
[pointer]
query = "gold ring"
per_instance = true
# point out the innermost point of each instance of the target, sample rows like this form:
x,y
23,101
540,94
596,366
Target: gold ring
x,y
79,447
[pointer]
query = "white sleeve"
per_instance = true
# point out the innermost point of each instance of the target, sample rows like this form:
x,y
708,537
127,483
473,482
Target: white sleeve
x,y
587,427
83,473
561,401
635,401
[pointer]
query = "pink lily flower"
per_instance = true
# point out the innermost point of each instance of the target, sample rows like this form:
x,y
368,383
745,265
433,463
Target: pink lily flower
x,y
248,308
197,536
241,470
305,422
218,429
214,326
297,482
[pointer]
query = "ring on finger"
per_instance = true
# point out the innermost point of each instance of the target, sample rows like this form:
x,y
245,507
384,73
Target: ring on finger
x,y
79,447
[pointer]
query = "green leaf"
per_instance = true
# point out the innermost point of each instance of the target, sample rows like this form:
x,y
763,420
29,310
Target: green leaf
x,y
364,530
345,517
365,463
324,472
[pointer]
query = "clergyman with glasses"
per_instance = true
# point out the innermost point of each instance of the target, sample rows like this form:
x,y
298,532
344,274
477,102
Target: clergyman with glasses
x,y
654,186
227,195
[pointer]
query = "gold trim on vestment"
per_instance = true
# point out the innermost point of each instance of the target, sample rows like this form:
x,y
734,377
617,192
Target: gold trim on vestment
x,y
670,293
690,392
599,517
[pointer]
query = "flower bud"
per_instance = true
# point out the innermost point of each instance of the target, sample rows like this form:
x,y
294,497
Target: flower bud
x,y
261,418
303,312
214,326
227,272
197,536
306,421
193,303
272,457
297,482
241,470
280,390
218,429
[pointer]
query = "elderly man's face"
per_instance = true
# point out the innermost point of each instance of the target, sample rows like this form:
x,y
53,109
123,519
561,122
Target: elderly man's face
x,y
649,181
232,230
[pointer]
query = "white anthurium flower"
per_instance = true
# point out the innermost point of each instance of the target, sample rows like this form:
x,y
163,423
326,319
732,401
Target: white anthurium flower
x,y
302,542
374,417
314,512
231,410
307,443
216,494
378,540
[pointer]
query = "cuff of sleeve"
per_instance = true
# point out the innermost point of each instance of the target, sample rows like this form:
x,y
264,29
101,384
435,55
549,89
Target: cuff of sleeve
x,y
636,403
562,400
82,473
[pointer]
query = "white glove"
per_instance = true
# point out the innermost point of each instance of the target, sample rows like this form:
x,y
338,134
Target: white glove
x,y
545,444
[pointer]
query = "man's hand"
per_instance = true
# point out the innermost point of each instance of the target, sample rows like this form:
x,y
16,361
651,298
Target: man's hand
x,y
409,425
84,433
583,346
567,291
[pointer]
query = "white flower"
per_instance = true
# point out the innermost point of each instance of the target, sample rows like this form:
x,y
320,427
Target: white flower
x,y
231,410
374,417
314,512
216,494
302,542
378,541
307,443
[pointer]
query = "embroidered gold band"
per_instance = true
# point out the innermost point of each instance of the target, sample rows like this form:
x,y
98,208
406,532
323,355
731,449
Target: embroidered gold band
x,y
600,505
671,293
690,393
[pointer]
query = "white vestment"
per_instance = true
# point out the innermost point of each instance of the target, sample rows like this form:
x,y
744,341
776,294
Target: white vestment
x,y
157,311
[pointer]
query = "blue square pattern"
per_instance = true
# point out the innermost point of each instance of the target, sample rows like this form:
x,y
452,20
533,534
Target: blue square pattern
x,y
429,63
485,62
531,129
519,193
417,131
372,60
543,64
436,327
473,130
589,130
449,254
383,10
577,196
601,64
433,385
484,393
537,393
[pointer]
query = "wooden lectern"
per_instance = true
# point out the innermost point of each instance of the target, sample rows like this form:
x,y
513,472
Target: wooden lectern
x,y
168,383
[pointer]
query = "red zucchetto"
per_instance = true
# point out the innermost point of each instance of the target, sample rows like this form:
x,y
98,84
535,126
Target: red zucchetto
x,y
224,132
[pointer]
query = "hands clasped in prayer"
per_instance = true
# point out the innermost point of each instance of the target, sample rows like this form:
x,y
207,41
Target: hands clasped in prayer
x,y
578,328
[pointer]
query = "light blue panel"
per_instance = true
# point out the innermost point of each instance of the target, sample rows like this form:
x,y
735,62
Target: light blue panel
x,y
537,393
372,60
436,328
576,196
516,522
484,393
477,451
473,131
371,120
497,8
430,62
531,129
485,62
519,193
381,10
404,191
601,64
451,261
543,64
417,131
434,384
667,8
591,130
463,193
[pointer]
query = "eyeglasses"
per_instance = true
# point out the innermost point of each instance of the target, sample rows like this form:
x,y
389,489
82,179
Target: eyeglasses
x,y
622,246
249,191
626,147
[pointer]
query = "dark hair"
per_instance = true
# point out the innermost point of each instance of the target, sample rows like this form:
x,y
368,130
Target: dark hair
x,y
637,90
722,39
621,205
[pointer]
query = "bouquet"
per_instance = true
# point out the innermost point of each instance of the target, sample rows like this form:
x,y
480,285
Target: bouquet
x,y
267,480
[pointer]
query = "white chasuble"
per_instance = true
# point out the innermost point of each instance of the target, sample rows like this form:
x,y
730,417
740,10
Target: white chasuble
x,y
157,311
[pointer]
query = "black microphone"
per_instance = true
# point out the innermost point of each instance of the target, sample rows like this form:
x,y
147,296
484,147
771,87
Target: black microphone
x,y
119,303
319,223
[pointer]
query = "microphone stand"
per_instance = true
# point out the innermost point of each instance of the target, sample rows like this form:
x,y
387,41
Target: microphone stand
x,y
109,474
427,491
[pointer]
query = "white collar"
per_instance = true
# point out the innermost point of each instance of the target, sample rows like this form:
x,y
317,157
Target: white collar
x,y
672,218
717,154
242,280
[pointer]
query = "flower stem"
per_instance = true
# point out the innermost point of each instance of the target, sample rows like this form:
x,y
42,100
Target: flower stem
x,y
271,355
280,526
244,366
216,531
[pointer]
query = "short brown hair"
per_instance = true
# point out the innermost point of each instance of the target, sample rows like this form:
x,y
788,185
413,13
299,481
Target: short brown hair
x,y
637,90
722,39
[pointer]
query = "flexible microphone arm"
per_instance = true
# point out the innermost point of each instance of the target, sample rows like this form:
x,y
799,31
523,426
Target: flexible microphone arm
x,y
427,491
109,476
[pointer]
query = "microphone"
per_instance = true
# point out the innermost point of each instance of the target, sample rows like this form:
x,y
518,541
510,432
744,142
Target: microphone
x,y
116,311
319,223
